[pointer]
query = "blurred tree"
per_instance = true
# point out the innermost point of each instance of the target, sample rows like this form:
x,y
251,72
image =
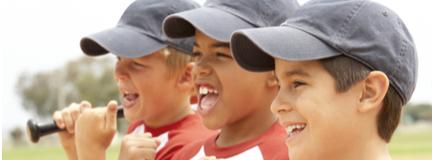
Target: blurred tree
x,y
16,135
87,78
417,112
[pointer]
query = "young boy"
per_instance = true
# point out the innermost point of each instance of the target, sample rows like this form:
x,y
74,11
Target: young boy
x,y
345,69
231,99
154,79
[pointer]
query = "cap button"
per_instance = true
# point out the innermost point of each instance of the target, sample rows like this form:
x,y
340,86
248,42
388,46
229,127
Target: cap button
x,y
385,13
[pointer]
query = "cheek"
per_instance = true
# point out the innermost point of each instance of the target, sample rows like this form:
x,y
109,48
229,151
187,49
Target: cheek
x,y
318,111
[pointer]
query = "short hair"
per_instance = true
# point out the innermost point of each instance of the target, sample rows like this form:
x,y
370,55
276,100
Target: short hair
x,y
347,72
176,60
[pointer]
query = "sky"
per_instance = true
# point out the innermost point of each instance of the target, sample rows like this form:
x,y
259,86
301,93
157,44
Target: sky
x,y
44,35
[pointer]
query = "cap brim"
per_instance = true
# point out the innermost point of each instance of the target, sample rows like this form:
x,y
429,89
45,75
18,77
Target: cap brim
x,y
215,23
120,41
255,49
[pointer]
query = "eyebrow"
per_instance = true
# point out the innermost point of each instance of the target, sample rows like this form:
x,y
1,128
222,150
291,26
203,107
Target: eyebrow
x,y
195,44
216,45
227,45
297,72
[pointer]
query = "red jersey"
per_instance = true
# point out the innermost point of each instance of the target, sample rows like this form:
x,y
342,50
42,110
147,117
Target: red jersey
x,y
174,136
269,145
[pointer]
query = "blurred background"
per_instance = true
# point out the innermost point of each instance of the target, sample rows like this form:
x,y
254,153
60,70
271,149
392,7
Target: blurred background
x,y
43,69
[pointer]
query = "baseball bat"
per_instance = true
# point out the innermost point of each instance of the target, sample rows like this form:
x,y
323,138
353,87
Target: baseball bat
x,y
36,130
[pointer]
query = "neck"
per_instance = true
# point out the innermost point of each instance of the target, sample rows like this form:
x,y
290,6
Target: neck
x,y
363,148
247,128
177,111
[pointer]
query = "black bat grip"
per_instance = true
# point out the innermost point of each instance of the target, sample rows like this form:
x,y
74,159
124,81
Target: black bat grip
x,y
36,130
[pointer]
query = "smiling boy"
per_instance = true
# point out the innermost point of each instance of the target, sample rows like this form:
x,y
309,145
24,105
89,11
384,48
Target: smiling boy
x,y
345,69
230,98
153,75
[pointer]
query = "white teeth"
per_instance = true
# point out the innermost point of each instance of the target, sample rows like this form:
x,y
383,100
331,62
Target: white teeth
x,y
204,107
205,90
127,92
290,128
126,100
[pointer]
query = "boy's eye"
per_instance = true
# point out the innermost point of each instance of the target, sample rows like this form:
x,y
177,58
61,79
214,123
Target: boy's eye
x,y
298,83
195,54
223,55
138,64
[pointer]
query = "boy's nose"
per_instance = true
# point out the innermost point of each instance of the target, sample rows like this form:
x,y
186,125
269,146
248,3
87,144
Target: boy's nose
x,y
280,104
201,69
120,72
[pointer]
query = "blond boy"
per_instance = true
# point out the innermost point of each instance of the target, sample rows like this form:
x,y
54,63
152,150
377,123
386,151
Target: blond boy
x,y
154,79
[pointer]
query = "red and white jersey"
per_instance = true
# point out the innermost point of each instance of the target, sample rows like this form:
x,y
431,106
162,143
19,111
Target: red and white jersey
x,y
269,145
174,136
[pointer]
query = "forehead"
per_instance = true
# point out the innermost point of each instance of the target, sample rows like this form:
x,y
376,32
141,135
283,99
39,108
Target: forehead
x,y
202,40
298,68
200,37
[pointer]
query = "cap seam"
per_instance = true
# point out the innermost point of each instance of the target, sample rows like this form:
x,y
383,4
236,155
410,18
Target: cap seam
x,y
230,11
397,67
341,34
401,52
265,13
173,8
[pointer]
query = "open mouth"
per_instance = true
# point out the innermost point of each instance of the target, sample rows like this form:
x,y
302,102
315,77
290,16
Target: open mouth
x,y
207,98
129,98
294,129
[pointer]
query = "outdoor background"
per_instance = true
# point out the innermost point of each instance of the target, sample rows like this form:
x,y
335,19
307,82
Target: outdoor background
x,y
43,66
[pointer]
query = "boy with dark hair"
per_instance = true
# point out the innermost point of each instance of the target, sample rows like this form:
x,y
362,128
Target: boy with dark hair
x,y
154,77
345,69
231,99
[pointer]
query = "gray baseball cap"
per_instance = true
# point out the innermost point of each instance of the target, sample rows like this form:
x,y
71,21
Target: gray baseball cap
x,y
218,19
139,31
363,30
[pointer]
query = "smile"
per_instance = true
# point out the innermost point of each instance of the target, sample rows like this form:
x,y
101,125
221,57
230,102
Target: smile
x,y
129,98
208,97
294,129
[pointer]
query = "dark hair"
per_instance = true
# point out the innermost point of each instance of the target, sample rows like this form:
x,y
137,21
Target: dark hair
x,y
347,72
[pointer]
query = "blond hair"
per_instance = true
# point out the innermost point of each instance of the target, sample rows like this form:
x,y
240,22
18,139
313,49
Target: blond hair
x,y
176,60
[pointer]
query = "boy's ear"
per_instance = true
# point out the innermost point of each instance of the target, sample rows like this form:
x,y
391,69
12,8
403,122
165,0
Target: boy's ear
x,y
185,82
374,88
271,80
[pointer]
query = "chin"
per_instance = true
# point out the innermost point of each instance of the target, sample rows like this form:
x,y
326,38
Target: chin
x,y
296,153
212,124
130,117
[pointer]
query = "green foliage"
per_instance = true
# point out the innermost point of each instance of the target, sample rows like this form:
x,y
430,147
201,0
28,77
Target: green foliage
x,y
418,112
87,78
17,135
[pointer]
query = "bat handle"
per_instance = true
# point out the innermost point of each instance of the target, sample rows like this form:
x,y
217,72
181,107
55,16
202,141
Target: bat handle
x,y
36,130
